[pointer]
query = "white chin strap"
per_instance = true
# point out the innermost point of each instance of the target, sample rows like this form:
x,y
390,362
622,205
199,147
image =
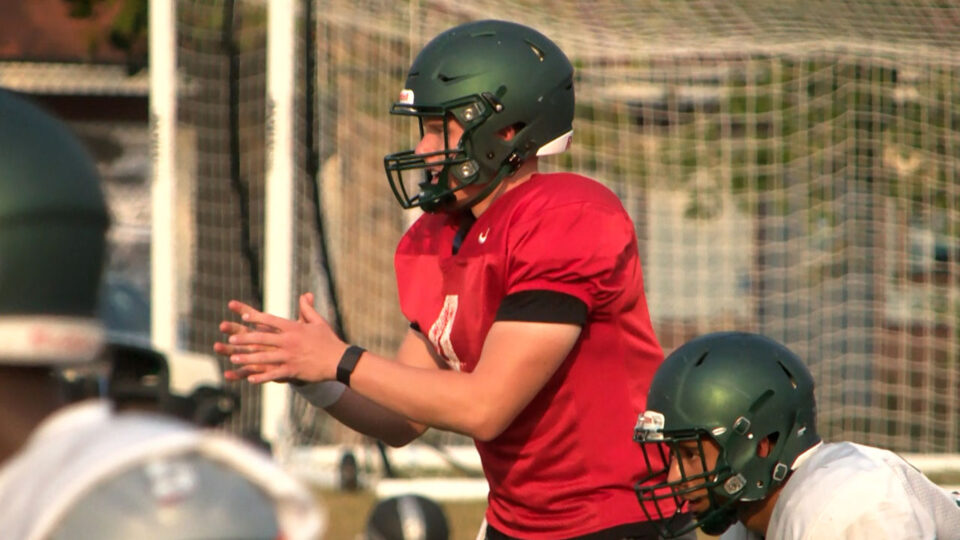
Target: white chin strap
x,y
42,340
556,146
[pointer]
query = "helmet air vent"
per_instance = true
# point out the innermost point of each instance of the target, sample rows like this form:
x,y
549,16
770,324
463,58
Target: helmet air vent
x,y
700,360
537,51
793,381
761,400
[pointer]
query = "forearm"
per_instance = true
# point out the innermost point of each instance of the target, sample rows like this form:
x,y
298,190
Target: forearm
x,y
517,360
398,400
366,416
443,399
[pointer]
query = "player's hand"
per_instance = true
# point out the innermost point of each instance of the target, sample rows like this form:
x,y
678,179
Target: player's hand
x,y
225,349
278,349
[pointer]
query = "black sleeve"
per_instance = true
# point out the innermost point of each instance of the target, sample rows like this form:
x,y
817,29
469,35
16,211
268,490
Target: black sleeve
x,y
542,306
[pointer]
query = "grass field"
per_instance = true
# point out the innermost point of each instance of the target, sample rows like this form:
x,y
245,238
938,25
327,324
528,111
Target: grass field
x,y
348,513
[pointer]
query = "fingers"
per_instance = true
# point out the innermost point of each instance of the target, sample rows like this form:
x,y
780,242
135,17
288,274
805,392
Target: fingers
x,y
307,311
305,298
252,345
254,338
254,316
240,308
223,349
280,374
242,372
258,373
231,328
275,356
263,321
227,349
236,329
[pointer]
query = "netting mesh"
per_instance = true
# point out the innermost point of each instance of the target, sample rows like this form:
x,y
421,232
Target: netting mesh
x,y
792,169
221,152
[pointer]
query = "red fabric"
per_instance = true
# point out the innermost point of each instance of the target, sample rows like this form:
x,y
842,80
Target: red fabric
x,y
566,466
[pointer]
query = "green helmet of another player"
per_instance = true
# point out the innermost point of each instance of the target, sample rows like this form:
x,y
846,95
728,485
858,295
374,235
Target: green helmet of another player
x,y
53,220
490,76
408,516
732,390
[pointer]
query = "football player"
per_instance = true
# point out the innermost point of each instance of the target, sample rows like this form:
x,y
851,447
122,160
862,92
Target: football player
x,y
80,470
735,412
529,329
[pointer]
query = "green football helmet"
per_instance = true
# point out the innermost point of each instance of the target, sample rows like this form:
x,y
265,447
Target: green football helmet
x,y
53,221
489,76
405,517
735,389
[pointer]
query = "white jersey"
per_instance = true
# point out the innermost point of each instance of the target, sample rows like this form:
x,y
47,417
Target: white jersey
x,y
88,473
854,492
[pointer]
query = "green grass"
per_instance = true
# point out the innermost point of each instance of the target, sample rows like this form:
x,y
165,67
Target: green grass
x,y
348,512
945,478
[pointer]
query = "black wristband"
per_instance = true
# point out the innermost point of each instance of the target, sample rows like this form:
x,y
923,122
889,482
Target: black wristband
x,y
348,362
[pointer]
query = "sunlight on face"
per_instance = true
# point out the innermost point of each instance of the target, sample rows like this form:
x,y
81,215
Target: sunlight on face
x,y
432,140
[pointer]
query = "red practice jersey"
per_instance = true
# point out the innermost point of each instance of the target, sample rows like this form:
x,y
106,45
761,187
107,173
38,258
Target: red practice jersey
x,y
567,464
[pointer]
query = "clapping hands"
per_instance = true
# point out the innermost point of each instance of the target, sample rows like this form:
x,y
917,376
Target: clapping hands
x,y
266,348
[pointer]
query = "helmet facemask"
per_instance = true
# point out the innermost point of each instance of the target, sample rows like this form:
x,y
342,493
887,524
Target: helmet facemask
x,y
444,172
662,499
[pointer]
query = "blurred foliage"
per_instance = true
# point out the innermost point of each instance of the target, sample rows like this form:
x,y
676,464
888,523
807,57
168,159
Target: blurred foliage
x,y
763,126
128,28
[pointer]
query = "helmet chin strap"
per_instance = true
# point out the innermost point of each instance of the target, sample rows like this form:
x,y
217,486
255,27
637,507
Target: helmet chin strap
x,y
719,521
436,198
447,202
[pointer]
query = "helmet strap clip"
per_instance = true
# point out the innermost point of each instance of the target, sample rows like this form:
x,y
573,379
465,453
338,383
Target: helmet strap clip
x,y
735,484
493,100
780,471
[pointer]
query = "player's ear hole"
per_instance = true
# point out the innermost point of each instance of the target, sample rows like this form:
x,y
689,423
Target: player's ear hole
x,y
766,445
510,131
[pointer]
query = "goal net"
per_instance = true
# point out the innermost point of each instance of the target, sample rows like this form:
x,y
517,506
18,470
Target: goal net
x,y
791,167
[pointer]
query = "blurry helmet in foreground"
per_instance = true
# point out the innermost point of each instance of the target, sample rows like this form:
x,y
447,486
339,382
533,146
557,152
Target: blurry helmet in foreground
x,y
148,477
489,76
53,220
736,389
407,517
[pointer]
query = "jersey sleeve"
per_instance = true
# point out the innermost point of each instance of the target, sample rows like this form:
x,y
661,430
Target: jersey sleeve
x,y
585,250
